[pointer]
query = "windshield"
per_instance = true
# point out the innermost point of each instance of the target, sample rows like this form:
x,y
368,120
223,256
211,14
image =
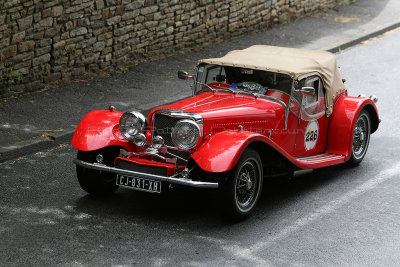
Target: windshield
x,y
243,80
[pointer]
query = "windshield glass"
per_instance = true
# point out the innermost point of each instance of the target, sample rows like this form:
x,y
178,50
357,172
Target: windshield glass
x,y
243,80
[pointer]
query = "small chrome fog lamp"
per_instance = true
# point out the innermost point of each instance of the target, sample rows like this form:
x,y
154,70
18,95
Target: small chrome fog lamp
x,y
158,142
139,139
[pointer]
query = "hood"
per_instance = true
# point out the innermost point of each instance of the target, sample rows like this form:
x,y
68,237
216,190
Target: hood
x,y
228,111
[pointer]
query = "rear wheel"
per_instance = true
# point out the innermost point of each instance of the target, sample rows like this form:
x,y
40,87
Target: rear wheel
x,y
361,136
243,187
97,182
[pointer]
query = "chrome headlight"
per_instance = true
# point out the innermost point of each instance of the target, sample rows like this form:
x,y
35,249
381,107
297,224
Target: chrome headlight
x,y
185,134
131,123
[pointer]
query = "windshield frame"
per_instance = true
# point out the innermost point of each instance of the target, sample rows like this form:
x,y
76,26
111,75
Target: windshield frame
x,y
199,87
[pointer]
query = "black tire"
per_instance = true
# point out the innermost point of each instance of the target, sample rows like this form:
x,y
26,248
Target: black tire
x,y
97,182
361,136
242,189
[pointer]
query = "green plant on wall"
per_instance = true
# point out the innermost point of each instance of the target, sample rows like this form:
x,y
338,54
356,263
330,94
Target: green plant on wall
x,y
122,68
348,2
44,70
9,78
284,19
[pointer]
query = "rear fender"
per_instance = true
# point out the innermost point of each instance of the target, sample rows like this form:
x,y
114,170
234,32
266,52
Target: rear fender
x,y
223,150
98,129
343,119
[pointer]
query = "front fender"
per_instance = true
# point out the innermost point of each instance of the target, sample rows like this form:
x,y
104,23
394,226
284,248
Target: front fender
x,y
223,150
343,119
98,129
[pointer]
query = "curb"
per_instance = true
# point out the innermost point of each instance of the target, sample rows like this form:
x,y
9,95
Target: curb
x,y
38,144
34,145
357,40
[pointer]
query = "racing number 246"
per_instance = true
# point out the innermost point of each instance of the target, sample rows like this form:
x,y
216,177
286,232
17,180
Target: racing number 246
x,y
311,136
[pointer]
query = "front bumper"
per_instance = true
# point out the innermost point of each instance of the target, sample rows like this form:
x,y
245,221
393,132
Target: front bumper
x,y
167,179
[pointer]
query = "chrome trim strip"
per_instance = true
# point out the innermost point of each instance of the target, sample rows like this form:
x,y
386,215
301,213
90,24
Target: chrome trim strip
x,y
206,103
318,159
180,114
195,103
180,181
314,156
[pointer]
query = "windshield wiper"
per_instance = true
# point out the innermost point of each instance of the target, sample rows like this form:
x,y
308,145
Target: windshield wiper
x,y
216,89
212,89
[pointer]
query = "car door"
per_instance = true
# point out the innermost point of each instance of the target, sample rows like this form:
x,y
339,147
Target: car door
x,y
312,122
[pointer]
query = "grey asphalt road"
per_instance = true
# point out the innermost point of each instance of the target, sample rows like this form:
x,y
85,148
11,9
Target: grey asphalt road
x,y
333,216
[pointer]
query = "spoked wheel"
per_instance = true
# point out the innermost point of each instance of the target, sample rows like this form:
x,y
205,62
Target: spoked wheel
x,y
361,136
243,188
97,182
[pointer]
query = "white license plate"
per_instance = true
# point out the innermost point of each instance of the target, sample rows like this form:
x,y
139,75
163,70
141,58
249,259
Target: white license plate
x,y
139,183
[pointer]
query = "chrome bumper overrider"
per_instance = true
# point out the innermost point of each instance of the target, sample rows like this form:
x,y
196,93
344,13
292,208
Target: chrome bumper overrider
x,y
172,180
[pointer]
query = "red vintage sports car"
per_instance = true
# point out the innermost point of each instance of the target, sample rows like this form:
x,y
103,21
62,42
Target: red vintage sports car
x,y
254,113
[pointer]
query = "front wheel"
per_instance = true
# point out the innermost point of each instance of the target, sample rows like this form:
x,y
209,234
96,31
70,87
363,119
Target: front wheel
x,y
243,187
361,136
97,182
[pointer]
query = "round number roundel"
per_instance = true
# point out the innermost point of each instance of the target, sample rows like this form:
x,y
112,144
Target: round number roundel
x,y
311,135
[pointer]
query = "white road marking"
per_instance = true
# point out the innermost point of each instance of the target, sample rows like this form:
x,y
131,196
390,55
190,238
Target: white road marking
x,y
249,253
330,207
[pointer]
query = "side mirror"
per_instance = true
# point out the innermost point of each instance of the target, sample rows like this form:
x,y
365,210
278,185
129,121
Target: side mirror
x,y
183,75
308,91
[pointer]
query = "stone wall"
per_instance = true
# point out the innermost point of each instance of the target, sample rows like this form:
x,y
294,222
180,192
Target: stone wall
x,y
47,41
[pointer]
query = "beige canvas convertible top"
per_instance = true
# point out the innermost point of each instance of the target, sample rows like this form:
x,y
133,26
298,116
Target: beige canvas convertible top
x,y
297,63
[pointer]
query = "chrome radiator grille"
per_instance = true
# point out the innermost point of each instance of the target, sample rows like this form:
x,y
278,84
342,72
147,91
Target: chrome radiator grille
x,y
162,125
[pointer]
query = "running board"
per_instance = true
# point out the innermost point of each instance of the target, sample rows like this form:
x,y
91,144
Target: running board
x,y
320,160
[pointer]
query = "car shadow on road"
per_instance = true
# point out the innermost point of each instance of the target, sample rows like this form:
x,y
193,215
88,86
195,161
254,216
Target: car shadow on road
x,y
200,207
177,205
